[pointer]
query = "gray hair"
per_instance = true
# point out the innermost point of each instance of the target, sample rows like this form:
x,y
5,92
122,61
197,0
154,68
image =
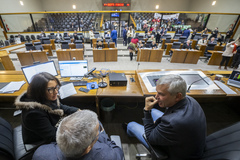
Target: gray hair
x,y
176,84
76,132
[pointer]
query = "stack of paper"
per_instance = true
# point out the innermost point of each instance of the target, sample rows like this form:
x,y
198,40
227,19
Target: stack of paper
x,y
12,87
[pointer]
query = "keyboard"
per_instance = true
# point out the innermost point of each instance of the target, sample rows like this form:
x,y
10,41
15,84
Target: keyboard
x,y
77,83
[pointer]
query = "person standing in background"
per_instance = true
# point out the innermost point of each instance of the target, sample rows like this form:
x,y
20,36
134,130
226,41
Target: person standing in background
x,y
114,36
125,36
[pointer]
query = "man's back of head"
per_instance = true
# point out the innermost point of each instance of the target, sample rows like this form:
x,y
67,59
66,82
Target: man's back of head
x,y
77,132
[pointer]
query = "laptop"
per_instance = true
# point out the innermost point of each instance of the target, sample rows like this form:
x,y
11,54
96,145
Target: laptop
x,y
234,79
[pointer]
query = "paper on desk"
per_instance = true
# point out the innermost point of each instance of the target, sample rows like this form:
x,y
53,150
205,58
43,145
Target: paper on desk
x,y
67,90
12,87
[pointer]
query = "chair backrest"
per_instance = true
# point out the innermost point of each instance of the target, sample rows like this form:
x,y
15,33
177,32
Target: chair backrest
x,y
168,40
65,34
33,37
65,45
210,46
38,46
78,41
51,33
52,36
46,40
165,36
29,46
182,39
205,35
97,35
177,36
148,44
67,39
7,43
197,36
99,40
107,39
79,45
176,45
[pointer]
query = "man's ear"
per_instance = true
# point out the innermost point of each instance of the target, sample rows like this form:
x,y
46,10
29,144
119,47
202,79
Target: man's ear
x,y
88,149
179,96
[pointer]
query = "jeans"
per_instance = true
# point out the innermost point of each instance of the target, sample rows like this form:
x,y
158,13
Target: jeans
x,y
125,41
115,41
137,130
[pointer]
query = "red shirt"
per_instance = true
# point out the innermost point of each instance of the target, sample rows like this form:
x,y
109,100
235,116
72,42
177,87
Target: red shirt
x,y
134,40
154,20
158,20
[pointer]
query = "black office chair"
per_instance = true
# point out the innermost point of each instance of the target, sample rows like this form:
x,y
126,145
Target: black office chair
x,y
52,36
11,143
197,36
12,40
29,46
79,44
148,44
166,36
67,39
97,35
28,38
7,43
107,39
65,34
1,43
46,40
221,145
205,35
210,46
33,37
176,45
177,36
65,45
182,39
38,46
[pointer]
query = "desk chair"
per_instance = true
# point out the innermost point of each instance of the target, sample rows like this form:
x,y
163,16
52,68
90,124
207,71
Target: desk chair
x,y
7,43
165,36
108,39
28,38
64,45
177,36
148,44
221,145
79,44
12,40
52,36
65,34
67,39
97,35
197,36
167,40
38,46
29,46
205,35
46,40
210,46
176,45
182,39
11,143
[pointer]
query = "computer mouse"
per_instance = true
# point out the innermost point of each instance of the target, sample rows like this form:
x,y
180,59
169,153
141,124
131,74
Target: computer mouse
x,y
93,86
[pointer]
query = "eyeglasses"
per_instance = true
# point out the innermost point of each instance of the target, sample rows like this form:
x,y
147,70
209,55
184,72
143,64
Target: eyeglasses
x,y
52,89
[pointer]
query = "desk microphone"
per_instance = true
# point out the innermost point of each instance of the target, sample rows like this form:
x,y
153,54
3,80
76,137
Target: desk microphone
x,y
90,72
188,90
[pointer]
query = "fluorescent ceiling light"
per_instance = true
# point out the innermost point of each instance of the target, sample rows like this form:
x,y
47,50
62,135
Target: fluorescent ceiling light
x,y
21,2
74,6
157,6
213,3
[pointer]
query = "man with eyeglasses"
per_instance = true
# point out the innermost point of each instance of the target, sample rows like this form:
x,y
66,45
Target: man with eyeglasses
x,y
80,136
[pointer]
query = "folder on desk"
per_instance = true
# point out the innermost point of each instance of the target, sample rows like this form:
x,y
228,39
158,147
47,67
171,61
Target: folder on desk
x,y
12,87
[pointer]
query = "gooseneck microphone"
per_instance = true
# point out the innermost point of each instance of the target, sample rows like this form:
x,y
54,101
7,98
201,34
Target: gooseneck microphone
x,y
90,72
188,90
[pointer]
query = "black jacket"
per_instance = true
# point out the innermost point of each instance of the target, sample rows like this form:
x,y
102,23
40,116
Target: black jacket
x,y
40,121
180,132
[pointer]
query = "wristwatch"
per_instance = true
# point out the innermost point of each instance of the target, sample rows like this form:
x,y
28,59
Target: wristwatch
x,y
149,111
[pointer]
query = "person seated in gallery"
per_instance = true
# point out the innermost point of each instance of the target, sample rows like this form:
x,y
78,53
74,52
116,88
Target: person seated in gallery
x,y
154,45
100,45
187,45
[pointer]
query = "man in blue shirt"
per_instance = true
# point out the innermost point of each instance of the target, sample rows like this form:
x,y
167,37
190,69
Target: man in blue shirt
x,y
125,36
186,32
114,36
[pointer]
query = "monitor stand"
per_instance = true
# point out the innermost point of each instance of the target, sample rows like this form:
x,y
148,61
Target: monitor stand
x,y
76,78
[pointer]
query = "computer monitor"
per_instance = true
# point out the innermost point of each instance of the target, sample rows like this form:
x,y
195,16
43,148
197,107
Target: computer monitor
x,y
73,69
30,71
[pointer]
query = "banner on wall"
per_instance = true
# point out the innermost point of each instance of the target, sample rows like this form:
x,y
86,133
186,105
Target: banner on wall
x,y
183,27
157,15
173,16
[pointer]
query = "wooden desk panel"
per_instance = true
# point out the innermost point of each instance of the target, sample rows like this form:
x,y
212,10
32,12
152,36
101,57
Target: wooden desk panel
x,y
218,48
111,45
99,55
156,55
216,57
6,60
144,55
192,57
111,55
202,49
49,48
163,43
169,46
72,45
63,55
194,43
77,53
37,40
53,44
28,57
178,56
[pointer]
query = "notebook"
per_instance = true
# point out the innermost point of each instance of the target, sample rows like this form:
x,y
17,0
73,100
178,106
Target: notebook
x,y
234,79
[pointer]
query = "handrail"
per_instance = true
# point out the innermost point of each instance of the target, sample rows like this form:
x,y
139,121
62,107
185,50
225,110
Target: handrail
x,y
133,21
101,21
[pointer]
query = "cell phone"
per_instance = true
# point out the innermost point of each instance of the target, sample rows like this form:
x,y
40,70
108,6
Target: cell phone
x,y
84,90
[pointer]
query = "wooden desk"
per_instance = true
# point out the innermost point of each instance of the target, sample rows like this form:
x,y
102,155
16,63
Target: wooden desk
x,y
53,44
185,56
194,43
68,54
49,48
13,45
6,61
216,58
169,47
202,49
28,57
105,55
150,55
218,48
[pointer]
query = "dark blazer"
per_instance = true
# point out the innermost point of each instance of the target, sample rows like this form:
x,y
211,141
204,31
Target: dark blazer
x,y
40,121
124,33
185,46
103,149
114,34
186,33
100,46
180,132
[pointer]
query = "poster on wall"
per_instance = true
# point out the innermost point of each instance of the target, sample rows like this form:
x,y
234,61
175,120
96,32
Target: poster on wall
x,y
169,16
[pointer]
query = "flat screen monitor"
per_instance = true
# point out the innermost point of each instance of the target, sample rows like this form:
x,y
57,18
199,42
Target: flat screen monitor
x,y
30,71
115,15
73,68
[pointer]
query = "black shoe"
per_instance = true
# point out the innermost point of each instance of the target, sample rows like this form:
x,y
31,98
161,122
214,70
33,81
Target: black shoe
x,y
124,126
